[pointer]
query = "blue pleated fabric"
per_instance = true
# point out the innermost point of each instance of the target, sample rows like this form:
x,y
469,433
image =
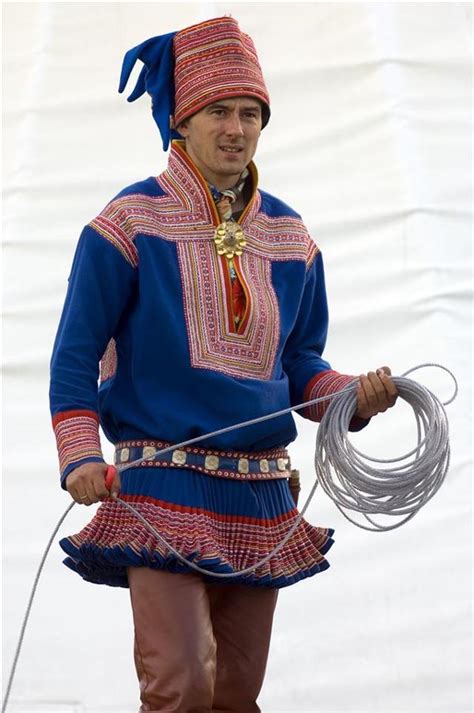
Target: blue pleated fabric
x,y
221,525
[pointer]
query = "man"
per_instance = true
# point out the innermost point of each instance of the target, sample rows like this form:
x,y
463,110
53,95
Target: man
x,y
203,299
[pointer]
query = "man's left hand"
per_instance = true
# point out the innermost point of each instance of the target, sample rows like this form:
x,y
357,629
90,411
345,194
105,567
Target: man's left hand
x,y
376,393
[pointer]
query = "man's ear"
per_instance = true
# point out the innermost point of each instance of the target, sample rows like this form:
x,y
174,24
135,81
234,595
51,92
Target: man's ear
x,y
183,128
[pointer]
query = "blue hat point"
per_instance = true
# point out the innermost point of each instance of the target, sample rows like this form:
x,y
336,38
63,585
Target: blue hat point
x,y
156,78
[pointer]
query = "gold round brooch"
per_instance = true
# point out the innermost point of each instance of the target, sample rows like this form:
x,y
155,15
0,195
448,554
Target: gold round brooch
x,y
229,239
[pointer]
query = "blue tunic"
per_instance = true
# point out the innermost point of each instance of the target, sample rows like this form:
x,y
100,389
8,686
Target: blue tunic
x,y
149,300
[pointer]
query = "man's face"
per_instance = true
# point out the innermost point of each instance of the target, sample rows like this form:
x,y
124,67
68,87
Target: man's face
x,y
222,138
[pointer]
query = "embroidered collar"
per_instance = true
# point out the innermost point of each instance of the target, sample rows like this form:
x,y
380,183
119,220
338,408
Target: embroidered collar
x,y
194,190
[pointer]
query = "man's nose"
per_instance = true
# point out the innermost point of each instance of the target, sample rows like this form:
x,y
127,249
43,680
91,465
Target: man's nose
x,y
234,125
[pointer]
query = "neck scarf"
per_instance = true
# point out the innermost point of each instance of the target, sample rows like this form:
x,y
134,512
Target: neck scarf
x,y
224,199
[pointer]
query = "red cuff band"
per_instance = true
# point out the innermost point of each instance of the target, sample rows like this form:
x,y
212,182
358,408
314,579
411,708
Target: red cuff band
x,y
323,384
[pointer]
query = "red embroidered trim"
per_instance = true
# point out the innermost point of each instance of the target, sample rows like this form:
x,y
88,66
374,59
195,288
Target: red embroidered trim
x,y
251,351
239,540
108,363
117,235
322,384
66,415
191,510
186,214
77,436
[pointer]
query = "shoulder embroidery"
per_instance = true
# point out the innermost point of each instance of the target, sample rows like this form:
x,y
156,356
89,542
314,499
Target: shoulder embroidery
x,y
313,251
278,238
181,213
117,236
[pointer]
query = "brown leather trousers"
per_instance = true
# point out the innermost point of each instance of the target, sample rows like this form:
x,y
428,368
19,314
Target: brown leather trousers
x,y
199,647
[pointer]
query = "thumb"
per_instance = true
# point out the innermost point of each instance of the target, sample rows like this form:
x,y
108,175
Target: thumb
x,y
115,489
112,480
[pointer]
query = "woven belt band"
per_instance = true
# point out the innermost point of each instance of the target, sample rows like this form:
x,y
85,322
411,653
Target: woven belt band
x,y
266,465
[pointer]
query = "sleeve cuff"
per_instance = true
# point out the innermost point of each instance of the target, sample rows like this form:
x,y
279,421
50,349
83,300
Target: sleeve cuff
x,y
76,464
77,440
324,384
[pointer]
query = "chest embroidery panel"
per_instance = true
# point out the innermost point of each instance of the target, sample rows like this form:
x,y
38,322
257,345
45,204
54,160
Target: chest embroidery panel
x,y
214,342
249,352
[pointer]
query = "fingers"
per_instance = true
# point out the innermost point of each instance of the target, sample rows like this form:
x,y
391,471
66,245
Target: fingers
x,y
370,400
99,488
115,490
86,484
376,393
82,499
391,391
112,481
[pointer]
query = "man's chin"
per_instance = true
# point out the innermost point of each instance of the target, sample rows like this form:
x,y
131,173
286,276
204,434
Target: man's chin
x,y
229,168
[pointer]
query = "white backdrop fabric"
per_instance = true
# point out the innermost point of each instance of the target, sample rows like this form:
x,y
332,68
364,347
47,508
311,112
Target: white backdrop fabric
x,y
370,140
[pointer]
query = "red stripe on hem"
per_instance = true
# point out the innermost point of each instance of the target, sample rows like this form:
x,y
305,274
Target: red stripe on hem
x,y
193,510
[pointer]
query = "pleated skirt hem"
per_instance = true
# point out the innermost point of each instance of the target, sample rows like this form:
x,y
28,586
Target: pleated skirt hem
x,y
226,529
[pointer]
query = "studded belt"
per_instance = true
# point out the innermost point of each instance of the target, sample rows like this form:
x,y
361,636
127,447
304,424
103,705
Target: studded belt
x,y
262,465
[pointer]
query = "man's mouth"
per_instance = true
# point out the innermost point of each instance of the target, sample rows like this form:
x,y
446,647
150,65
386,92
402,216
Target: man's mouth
x,y
231,149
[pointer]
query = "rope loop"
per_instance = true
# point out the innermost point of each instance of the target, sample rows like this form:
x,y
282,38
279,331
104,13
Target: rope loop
x,y
403,485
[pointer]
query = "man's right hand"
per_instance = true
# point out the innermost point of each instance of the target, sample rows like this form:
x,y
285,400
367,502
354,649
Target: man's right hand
x,y
86,484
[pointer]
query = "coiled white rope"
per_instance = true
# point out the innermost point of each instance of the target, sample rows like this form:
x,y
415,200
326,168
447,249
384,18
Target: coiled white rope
x,y
354,484
343,472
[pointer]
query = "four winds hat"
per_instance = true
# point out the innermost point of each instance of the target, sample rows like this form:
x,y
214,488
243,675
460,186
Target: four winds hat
x,y
184,71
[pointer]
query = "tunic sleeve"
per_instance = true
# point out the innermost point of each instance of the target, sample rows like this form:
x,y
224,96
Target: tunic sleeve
x,y
310,375
100,285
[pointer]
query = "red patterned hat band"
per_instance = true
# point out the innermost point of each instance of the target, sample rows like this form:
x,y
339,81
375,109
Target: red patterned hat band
x,y
215,60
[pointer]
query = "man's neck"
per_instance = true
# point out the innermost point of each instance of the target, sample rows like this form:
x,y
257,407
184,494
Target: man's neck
x,y
223,185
